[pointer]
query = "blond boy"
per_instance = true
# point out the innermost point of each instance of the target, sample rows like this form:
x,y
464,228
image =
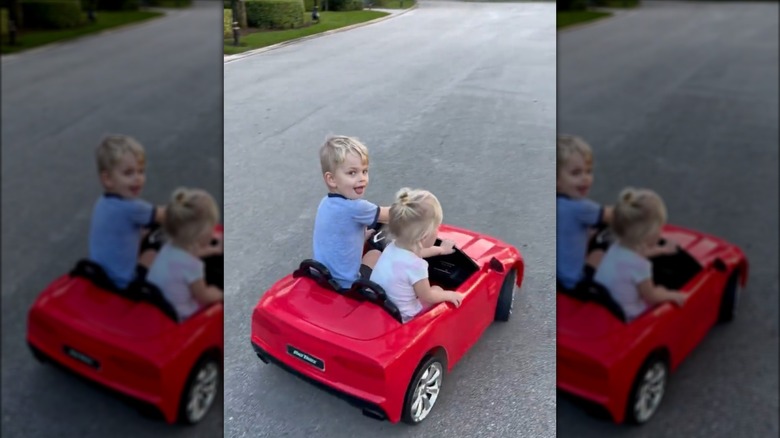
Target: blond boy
x,y
343,215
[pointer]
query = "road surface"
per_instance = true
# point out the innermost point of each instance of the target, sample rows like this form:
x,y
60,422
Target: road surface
x,y
457,98
160,82
682,97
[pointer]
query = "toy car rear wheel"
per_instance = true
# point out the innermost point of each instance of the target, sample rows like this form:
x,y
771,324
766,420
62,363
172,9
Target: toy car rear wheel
x,y
423,391
648,390
506,297
731,293
200,391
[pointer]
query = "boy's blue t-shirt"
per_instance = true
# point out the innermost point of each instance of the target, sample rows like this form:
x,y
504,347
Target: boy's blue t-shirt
x,y
574,218
339,234
115,235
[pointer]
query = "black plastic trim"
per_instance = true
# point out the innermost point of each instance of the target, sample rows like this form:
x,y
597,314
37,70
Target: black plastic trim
x,y
369,409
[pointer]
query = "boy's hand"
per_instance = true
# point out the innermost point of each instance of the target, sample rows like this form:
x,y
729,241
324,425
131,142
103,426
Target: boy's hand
x,y
447,247
368,233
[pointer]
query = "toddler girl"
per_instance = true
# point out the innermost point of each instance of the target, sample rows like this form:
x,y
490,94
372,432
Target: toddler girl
x,y
178,270
626,270
415,217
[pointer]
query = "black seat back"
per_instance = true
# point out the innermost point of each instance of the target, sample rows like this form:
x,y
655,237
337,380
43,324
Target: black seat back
x,y
138,290
597,293
374,293
318,272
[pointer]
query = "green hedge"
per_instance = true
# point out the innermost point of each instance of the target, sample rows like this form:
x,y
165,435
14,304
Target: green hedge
x,y
52,14
274,14
118,5
309,5
228,23
165,3
345,5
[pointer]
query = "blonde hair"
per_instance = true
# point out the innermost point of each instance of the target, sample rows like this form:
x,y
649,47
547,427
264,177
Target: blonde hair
x,y
414,215
335,149
113,147
188,214
638,212
568,145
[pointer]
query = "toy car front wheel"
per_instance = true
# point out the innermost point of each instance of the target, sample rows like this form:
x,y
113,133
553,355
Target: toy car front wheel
x,y
648,390
200,391
506,297
728,304
423,391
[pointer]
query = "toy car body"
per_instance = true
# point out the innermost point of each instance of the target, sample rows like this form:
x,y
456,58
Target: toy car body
x,y
131,341
624,366
353,343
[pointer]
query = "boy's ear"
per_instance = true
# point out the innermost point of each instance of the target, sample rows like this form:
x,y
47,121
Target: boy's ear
x,y
105,178
329,180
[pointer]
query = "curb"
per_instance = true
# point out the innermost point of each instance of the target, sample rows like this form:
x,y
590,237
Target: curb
x,y
238,56
11,56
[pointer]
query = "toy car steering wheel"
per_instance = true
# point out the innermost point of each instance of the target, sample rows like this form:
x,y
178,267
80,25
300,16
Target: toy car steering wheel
x,y
379,239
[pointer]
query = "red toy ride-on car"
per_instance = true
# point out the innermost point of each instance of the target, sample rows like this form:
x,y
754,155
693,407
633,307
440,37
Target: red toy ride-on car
x,y
353,344
131,340
623,366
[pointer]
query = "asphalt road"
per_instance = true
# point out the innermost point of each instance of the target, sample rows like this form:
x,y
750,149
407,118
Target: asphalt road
x,y
457,98
682,97
159,81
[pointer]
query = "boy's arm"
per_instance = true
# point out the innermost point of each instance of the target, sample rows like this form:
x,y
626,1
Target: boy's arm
x,y
159,214
607,214
384,215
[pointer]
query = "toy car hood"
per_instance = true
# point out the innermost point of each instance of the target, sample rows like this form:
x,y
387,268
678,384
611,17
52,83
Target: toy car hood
x,y
78,299
301,300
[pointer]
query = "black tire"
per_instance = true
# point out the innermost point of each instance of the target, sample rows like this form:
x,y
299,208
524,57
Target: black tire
x,y
506,297
730,298
650,381
408,415
203,383
38,354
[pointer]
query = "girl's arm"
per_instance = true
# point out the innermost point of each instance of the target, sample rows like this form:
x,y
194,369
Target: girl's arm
x,y
447,247
205,294
653,294
434,294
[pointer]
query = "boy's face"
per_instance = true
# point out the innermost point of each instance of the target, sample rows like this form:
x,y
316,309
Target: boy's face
x,y
126,179
350,178
575,177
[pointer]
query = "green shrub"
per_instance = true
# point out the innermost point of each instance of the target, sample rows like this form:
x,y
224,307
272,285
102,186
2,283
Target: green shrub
x,y
274,14
118,5
168,3
346,5
52,14
309,5
228,23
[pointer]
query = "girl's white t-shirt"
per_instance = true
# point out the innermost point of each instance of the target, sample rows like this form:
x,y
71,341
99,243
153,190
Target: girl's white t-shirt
x,y
173,270
620,271
397,270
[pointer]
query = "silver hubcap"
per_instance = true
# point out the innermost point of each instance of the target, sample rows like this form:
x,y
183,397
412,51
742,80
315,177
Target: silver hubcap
x,y
426,392
650,393
203,392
